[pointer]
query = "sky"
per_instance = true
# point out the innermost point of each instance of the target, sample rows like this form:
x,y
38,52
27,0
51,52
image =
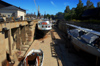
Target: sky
x,y
47,6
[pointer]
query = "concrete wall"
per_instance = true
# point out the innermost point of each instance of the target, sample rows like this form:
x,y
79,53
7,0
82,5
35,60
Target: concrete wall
x,y
14,40
2,49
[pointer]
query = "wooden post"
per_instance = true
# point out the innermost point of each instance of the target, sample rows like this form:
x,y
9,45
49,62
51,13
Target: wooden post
x,y
23,35
97,61
20,40
10,43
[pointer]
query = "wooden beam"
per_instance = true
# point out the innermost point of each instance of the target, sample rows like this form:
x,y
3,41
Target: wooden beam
x,y
9,40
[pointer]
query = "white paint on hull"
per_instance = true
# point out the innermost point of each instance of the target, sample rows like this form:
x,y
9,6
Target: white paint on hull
x,y
86,47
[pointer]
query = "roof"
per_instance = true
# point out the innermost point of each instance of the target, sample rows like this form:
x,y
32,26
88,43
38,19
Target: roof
x,y
5,4
91,12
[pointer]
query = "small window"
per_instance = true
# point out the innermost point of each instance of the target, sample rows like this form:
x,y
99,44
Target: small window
x,y
8,15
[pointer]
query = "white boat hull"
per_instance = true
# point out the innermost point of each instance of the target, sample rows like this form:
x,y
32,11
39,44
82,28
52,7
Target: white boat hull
x,y
44,28
38,54
44,25
85,47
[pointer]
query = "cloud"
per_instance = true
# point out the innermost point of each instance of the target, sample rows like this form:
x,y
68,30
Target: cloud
x,y
66,3
53,3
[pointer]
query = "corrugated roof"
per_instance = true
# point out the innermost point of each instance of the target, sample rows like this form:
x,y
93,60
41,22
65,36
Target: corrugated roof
x,y
4,4
91,12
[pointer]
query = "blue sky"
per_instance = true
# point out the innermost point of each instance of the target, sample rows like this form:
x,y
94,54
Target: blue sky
x,y
48,6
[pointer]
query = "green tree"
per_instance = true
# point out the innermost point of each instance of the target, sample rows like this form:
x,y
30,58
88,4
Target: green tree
x,y
53,16
48,16
60,15
89,4
67,10
98,4
70,15
79,10
80,4
67,16
73,14
84,8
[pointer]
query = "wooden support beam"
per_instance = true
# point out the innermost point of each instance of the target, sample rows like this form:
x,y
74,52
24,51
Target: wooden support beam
x,y
97,61
18,44
23,35
10,43
20,39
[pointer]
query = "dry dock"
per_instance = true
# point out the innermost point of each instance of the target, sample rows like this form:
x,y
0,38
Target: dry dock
x,y
44,44
58,51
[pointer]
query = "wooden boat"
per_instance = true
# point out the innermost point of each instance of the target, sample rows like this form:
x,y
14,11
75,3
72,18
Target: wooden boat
x,y
85,39
33,58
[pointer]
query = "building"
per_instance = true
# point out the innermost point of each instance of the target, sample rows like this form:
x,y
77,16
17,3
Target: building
x,y
10,10
93,13
98,4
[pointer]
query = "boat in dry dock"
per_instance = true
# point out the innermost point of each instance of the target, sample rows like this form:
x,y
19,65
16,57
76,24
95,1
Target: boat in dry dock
x,y
33,58
85,39
44,26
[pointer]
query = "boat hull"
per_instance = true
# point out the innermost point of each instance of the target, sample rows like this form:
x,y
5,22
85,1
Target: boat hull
x,y
34,57
85,47
44,26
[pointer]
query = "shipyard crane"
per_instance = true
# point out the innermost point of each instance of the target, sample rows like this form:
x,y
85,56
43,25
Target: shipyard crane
x,y
35,5
38,9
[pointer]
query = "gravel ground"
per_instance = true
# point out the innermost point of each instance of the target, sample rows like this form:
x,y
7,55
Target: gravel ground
x,y
58,51
44,45
68,55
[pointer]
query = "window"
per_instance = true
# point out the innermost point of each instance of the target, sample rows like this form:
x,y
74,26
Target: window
x,y
8,15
